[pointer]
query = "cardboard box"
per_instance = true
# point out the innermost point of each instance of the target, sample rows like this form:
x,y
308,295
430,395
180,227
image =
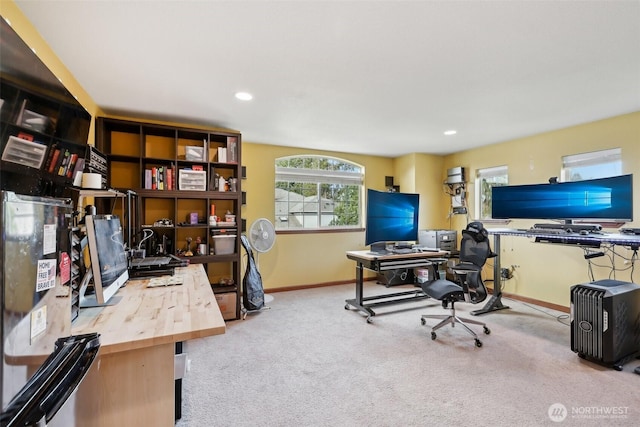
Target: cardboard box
x,y
227,303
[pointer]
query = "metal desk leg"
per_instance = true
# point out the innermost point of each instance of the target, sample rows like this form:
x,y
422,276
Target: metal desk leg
x,y
495,302
358,302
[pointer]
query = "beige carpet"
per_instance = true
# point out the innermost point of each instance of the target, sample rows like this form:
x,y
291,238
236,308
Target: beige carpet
x,y
309,362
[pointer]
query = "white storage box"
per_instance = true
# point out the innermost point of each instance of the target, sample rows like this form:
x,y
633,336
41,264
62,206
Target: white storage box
x,y
225,244
192,180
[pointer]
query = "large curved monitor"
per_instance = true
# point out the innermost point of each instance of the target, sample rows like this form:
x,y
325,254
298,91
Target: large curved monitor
x,y
602,199
391,217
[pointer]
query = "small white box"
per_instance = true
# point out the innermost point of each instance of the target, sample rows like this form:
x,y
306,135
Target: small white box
x,y
192,180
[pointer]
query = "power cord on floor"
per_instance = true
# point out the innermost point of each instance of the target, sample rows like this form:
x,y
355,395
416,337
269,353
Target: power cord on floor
x,y
559,318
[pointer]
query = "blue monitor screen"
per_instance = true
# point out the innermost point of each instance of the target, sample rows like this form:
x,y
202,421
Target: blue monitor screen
x,y
391,217
595,199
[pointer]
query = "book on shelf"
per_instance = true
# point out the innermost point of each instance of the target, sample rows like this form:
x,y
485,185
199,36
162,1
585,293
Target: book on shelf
x,y
168,175
222,154
147,179
77,169
65,161
72,165
52,159
232,150
160,178
154,178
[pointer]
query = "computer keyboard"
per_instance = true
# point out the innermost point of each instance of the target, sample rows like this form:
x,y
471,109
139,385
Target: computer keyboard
x,y
546,231
150,261
634,231
401,251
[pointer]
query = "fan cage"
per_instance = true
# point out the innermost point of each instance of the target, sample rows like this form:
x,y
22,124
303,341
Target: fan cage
x,y
262,235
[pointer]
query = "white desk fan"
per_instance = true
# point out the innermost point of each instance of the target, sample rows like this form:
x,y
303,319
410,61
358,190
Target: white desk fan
x,y
262,235
261,238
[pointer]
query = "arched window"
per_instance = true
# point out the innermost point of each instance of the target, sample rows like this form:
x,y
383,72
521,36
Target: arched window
x,y
318,192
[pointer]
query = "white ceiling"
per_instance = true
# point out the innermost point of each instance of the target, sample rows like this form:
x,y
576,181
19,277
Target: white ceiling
x,y
377,77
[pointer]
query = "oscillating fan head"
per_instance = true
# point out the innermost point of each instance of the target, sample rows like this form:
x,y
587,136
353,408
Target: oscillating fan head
x,y
262,235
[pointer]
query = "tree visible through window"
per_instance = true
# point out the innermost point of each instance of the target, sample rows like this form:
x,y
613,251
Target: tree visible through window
x,y
486,179
316,192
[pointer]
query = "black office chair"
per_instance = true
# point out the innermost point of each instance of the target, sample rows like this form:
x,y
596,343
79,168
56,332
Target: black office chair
x,y
474,252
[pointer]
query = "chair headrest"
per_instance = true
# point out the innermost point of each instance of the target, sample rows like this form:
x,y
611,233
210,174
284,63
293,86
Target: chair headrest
x,y
476,230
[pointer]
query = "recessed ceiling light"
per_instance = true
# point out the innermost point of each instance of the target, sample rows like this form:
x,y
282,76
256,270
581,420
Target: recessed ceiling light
x,y
244,96
450,132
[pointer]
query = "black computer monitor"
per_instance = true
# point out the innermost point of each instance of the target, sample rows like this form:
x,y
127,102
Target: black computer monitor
x,y
602,199
391,217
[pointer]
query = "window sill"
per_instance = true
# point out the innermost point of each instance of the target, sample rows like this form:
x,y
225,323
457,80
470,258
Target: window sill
x,y
319,230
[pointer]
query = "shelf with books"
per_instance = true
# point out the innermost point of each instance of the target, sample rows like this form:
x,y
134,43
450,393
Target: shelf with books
x,y
187,162
41,140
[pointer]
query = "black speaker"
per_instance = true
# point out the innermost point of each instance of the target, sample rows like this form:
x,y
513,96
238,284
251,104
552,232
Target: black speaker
x,y
388,181
400,276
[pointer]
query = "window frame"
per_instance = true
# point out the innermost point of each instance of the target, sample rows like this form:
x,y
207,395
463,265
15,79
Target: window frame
x,y
599,161
481,175
338,175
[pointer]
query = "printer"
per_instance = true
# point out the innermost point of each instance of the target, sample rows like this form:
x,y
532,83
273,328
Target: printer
x,y
445,240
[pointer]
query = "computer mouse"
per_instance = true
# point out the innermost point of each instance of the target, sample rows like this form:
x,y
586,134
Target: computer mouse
x,y
583,232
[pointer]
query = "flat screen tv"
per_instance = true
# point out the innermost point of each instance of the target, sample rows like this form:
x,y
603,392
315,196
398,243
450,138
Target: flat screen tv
x,y
391,217
108,260
602,199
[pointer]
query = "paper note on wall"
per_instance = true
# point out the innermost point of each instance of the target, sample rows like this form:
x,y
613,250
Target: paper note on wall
x,y
49,239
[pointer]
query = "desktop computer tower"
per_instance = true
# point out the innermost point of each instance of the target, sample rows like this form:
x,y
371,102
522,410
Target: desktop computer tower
x,y
605,321
446,240
399,276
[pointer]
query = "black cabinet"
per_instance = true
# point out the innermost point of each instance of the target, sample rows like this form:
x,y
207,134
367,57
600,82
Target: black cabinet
x,y
42,140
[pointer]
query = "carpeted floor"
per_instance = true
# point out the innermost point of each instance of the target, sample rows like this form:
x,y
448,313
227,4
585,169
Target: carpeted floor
x,y
309,362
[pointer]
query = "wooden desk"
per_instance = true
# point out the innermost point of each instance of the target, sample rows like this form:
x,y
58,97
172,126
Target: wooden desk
x,y
381,263
131,383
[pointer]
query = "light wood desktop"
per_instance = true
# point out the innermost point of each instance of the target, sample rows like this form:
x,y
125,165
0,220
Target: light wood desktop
x,y
132,380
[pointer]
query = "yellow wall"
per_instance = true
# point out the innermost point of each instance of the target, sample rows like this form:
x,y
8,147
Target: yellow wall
x,y
12,14
546,272
310,258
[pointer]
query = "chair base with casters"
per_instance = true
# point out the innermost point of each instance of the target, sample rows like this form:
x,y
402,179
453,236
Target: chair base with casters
x,y
449,292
